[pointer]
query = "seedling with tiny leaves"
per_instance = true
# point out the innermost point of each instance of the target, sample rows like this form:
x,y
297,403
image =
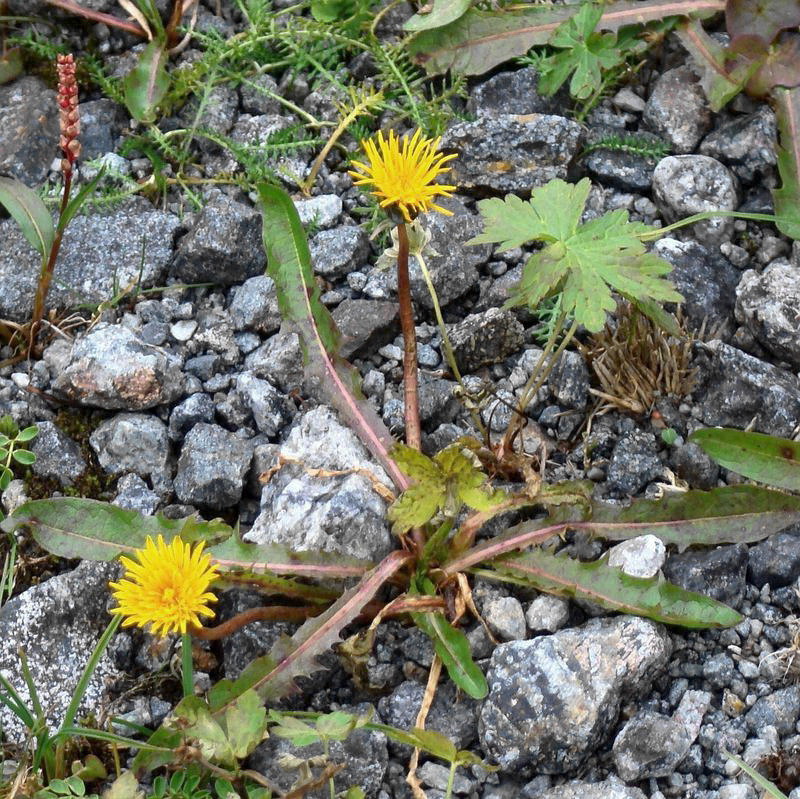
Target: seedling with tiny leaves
x,y
13,449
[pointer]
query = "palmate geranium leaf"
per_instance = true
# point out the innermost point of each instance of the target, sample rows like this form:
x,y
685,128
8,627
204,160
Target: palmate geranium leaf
x,y
582,53
764,18
586,262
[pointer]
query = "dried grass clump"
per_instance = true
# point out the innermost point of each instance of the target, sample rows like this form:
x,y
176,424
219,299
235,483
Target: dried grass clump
x,y
635,362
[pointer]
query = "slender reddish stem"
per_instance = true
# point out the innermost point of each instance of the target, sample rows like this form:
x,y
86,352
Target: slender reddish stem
x,y
98,16
272,613
410,382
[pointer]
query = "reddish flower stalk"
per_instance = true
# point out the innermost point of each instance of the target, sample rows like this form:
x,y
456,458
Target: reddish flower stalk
x,y
70,128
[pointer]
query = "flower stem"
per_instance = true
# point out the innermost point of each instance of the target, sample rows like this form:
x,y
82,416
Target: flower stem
x,y
187,665
410,381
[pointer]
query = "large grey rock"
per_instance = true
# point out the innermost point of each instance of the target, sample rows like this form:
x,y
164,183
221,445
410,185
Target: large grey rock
x,y
313,513
775,561
510,152
652,745
677,109
100,254
453,265
57,455
690,184
745,144
132,442
254,306
780,709
110,367
719,573
706,280
485,338
513,92
611,788
769,304
336,252
29,137
223,247
280,360
57,623
212,467
365,325
553,699
735,389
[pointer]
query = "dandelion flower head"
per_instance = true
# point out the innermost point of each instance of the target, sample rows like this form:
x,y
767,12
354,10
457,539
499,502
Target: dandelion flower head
x,y
167,588
402,172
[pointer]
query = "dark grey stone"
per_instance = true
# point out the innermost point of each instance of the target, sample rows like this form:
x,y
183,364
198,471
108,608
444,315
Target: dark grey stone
x,y
29,136
272,411
100,254
452,713
280,360
217,114
775,561
255,306
204,367
780,709
696,467
652,745
690,184
719,573
223,247
508,152
706,280
336,252
212,467
57,455
677,109
511,93
259,95
569,381
365,325
719,670
769,304
552,700
620,169
735,389
485,338
111,368
101,123
132,442
633,464
745,144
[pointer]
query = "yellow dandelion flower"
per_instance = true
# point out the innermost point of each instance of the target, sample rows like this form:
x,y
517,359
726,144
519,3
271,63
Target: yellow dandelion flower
x,y
167,588
403,171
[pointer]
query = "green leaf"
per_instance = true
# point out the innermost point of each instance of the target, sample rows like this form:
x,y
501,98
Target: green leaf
x,y
452,646
480,40
585,262
440,13
787,197
30,213
768,459
193,718
293,729
336,726
147,83
10,65
23,456
764,18
28,434
289,265
72,527
727,515
6,476
245,724
611,588
583,52
126,786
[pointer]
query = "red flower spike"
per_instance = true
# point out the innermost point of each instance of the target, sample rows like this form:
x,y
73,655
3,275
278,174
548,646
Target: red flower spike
x,y
69,119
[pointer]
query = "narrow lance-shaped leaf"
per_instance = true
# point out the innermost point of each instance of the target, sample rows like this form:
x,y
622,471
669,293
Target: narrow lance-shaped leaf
x,y
273,675
768,459
611,588
29,213
787,197
480,40
147,83
289,265
72,527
